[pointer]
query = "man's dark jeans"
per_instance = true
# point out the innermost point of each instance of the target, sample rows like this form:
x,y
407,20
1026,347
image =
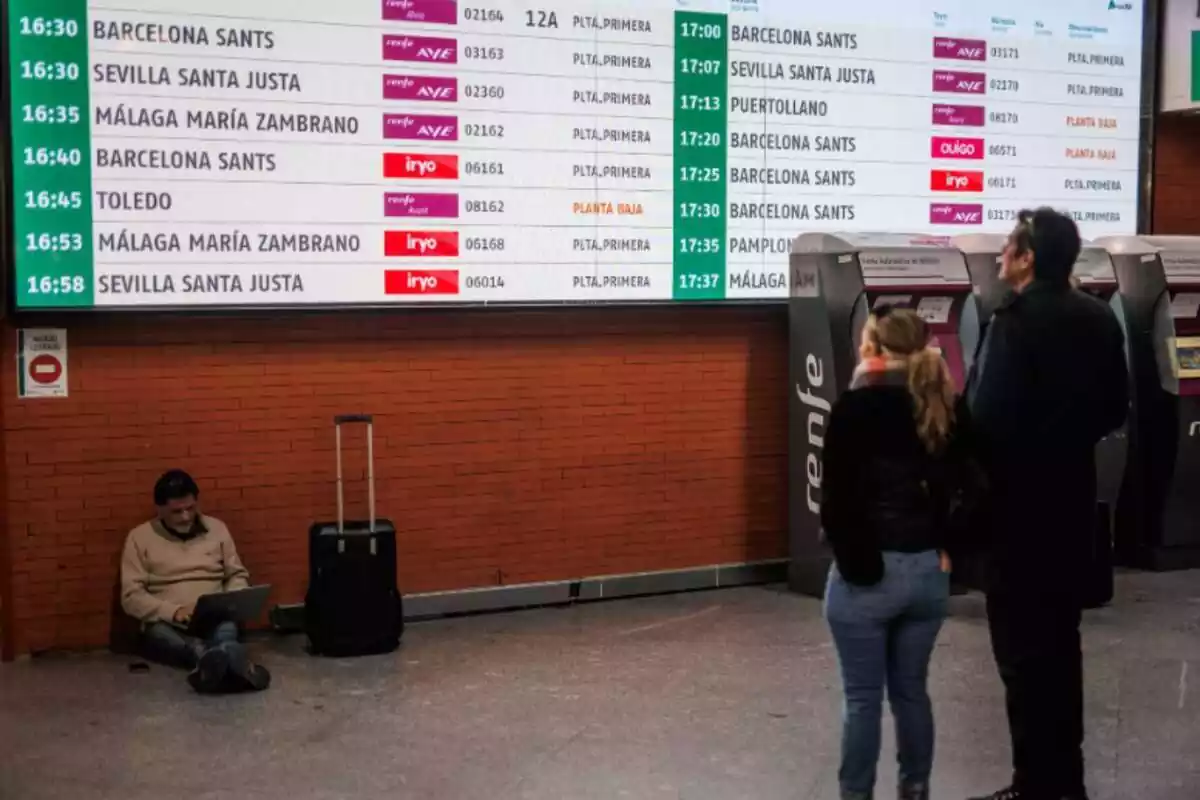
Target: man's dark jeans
x,y
1037,647
169,645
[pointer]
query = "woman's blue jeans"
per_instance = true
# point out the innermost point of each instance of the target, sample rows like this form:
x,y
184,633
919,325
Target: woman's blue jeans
x,y
884,635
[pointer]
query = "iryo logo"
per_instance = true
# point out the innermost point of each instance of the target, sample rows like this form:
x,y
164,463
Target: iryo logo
x,y
428,166
956,147
436,12
422,49
959,116
949,180
954,82
959,49
420,87
420,244
427,281
420,127
956,214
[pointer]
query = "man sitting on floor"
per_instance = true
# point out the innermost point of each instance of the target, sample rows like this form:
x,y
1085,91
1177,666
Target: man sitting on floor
x,y
168,564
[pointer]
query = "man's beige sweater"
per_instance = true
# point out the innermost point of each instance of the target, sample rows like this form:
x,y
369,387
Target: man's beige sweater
x,y
162,573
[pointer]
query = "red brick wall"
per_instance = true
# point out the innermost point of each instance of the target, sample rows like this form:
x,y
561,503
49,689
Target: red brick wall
x,y
1177,175
510,447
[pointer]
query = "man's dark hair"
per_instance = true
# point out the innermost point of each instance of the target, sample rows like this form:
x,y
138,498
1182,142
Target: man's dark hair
x,y
1053,238
174,484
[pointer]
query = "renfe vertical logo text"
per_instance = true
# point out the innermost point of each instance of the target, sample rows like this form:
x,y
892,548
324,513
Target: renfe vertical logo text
x,y
818,408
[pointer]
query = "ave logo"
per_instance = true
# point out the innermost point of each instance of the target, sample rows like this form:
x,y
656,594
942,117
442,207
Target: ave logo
x,y
428,88
948,180
420,49
959,49
421,127
956,147
420,244
420,166
956,214
955,82
435,93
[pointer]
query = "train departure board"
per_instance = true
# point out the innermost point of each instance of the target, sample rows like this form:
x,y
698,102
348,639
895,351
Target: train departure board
x,y
190,153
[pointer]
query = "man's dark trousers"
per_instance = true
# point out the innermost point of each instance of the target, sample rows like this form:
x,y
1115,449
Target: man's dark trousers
x,y
1037,647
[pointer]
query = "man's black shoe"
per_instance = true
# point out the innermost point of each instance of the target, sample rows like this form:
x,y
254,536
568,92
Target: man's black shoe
x,y
1011,793
209,674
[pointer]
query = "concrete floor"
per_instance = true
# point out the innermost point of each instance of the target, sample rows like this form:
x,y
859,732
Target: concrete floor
x,y
712,696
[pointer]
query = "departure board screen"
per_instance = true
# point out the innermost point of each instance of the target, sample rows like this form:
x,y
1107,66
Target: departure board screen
x,y
187,153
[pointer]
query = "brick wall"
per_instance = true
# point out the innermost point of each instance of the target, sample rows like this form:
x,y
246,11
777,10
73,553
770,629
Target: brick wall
x,y
1177,175
510,447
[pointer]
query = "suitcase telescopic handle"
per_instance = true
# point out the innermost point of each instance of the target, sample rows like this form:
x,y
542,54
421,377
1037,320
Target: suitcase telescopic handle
x,y
338,422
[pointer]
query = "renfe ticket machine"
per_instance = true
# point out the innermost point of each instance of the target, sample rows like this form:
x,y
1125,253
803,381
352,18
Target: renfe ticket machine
x,y
1096,275
835,280
1158,517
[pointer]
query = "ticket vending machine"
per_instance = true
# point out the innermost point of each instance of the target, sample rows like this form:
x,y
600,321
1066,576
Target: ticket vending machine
x,y
1158,517
1095,274
834,280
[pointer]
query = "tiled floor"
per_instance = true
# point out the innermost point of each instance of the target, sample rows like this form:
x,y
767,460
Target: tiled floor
x,y
713,696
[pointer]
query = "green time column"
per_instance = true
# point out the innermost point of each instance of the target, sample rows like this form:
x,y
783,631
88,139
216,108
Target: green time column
x,y
51,135
700,155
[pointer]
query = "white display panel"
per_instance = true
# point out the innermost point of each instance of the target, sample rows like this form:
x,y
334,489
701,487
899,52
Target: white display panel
x,y
171,153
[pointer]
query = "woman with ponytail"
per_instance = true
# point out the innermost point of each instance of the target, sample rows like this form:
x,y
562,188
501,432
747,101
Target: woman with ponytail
x,y
884,505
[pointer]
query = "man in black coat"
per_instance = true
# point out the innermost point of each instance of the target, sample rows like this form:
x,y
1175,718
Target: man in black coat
x,y
1049,382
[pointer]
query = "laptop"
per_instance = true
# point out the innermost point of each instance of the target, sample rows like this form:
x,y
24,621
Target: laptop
x,y
240,605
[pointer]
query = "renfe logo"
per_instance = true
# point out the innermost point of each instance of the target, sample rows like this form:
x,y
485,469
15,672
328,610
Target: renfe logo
x,y
420,87
427,166
420,244
436,12
423,281
959,49
818,407
954,82
405,204
956,214
952,180
956,147
420,49
420,127
959,116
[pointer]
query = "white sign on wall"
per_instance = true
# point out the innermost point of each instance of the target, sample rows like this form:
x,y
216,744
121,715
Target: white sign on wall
x,y
42,362
1181,56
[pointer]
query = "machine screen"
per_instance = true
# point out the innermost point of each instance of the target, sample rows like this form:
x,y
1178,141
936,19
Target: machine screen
x,y
1187,357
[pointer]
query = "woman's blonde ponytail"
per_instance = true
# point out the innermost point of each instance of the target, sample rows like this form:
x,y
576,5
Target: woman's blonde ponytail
x,y
932,389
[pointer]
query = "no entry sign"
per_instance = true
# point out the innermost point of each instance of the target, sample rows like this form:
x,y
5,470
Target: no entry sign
x,y
45,369
43,363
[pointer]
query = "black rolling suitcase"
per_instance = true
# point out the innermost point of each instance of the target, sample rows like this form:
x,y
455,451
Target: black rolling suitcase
x,y
353,605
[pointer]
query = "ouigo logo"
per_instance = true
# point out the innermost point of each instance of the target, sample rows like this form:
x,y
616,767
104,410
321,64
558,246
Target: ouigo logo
x,y
956,147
